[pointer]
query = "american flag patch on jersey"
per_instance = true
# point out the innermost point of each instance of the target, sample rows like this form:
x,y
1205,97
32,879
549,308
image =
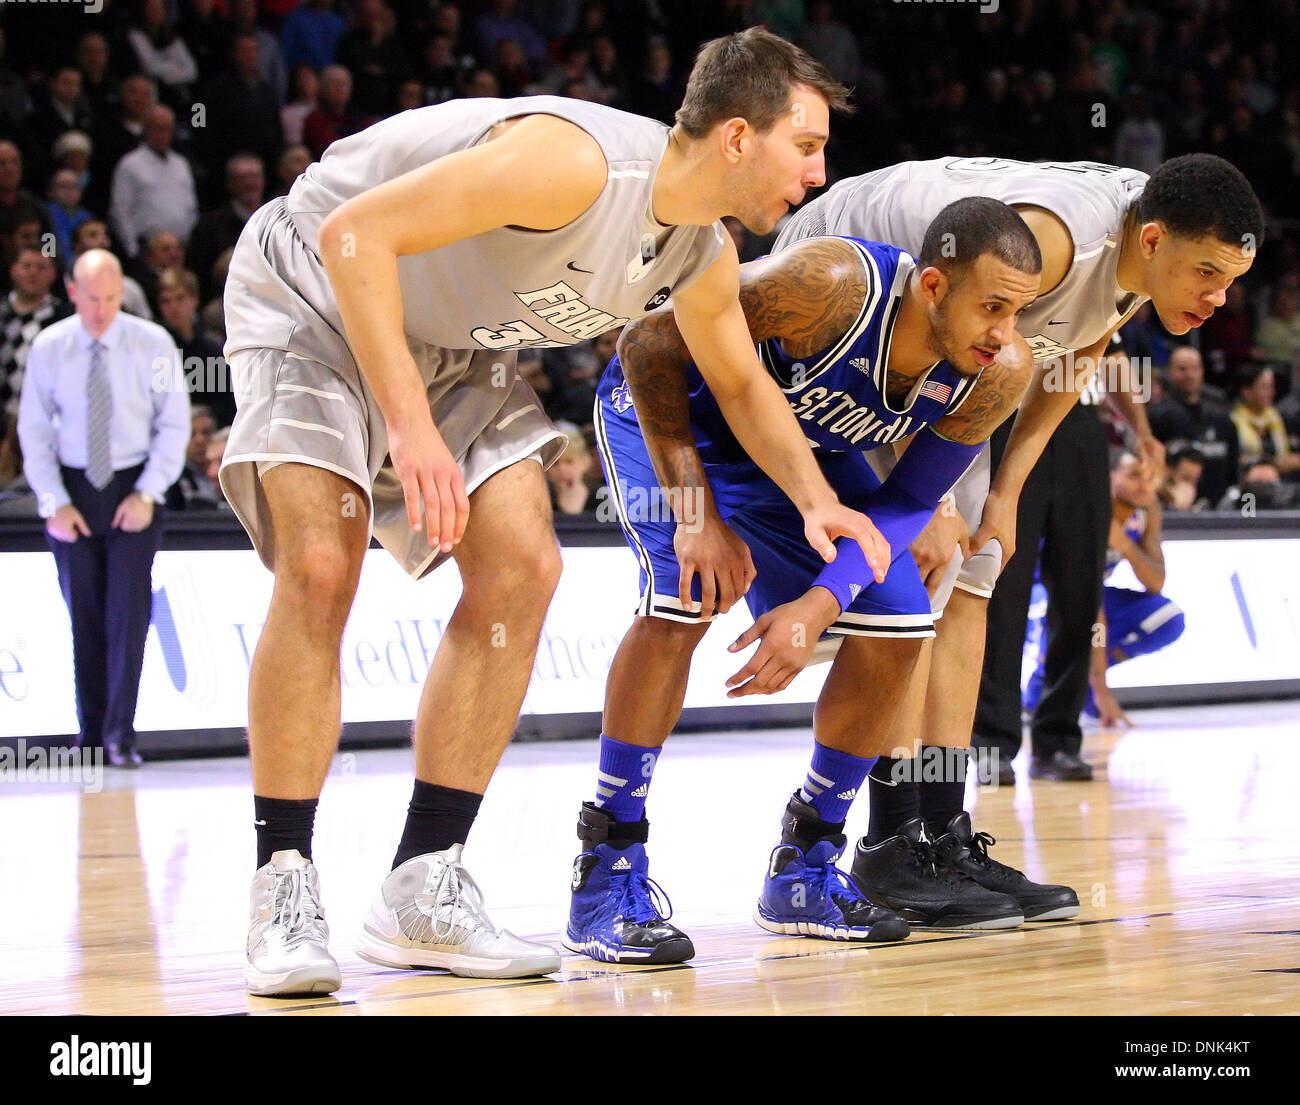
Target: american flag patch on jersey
x,y
939,392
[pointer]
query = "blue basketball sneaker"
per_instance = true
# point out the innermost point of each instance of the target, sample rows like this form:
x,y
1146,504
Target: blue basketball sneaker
x,y
619,914
805,894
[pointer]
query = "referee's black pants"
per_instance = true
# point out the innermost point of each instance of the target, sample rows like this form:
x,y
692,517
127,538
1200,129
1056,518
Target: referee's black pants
x,y
106,582
1064,521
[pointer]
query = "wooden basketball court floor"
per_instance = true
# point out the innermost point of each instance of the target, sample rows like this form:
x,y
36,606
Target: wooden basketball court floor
x,y
1183,850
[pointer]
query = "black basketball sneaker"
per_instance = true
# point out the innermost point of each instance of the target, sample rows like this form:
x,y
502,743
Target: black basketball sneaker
x,y
904,874
968,852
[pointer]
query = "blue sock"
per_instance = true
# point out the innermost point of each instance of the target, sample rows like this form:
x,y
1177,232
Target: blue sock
x,y
834,780
623,780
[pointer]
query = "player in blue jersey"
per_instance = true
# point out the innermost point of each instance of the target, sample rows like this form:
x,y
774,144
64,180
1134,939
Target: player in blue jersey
x,y
869,346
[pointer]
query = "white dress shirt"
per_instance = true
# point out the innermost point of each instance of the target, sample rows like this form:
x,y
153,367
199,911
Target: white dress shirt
x,y
151,192
151,409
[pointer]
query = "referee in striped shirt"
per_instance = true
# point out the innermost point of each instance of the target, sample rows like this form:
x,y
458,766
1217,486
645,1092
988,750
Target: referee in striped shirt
x,y
104,421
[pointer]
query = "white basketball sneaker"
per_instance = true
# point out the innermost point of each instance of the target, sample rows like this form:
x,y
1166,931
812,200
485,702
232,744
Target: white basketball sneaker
x,y
429,913
288,939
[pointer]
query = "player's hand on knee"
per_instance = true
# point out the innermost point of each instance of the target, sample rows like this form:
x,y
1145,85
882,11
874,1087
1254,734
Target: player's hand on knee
x,y
431,479
934,546
823,523
788,636
711,550
998,521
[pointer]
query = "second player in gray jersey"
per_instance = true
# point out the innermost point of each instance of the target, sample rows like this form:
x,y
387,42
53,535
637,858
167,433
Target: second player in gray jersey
x,y
372,316
1111,238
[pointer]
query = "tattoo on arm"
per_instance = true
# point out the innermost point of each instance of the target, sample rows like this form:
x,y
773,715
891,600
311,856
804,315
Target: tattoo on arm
x,y
654,359
1001,387
808,296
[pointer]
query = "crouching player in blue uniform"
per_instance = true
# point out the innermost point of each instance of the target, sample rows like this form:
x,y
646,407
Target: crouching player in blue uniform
x,y
870,347
1134,623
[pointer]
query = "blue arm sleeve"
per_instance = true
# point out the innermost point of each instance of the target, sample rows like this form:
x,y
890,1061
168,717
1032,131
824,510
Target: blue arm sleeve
x,y
900,509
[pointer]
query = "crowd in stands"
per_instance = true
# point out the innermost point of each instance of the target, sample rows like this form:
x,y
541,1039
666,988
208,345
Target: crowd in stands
x,y
155,127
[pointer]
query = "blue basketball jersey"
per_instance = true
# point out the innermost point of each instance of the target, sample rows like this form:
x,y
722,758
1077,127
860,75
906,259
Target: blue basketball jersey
x,y
838,394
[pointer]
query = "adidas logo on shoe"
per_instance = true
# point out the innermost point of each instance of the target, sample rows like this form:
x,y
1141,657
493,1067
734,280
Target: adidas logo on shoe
x,y
641,791
621,865
848,795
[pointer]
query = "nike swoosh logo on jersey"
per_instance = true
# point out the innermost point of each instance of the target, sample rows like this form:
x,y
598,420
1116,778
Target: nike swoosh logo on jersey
x,y
1065,323
575,268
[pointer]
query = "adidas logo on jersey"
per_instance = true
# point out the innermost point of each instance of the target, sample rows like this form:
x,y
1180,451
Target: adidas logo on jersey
x,y
848,795
641,791
855,589
621,865
861,364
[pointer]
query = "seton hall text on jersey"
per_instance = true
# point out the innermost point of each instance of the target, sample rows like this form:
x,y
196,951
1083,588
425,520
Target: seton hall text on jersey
x,y
838,412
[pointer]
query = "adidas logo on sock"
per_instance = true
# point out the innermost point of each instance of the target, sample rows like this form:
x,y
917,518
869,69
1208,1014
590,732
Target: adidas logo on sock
x,y
848,795
621,865
641,791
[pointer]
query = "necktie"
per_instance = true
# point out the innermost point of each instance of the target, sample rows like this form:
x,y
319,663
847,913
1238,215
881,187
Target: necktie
x,y
99,416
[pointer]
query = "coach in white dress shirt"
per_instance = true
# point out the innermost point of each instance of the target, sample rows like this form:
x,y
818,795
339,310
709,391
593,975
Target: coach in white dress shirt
x,y
104,422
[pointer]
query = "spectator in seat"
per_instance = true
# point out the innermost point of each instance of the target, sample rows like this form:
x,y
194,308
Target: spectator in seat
x,y
270,60
243,111
118,135
1179,491
153,187
306,98
1261,488
293,163
502,21
1227,338
207,36
98,78
193,490
334,117
162,252
1278,338
32,305
372,53
162,55
311,33
65,211
219,229
481,83
567,477
207,378
64,109
441,72
1186,417
655,94
16,203
1261,433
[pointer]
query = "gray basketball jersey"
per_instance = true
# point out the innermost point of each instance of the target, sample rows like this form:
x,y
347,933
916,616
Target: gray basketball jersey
x,y
503,289
897,204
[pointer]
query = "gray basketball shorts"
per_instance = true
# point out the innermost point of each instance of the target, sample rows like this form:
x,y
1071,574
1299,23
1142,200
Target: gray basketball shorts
x,y
977,574
291,409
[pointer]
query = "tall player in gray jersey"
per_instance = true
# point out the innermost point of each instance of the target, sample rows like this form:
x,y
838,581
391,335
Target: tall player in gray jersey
x,y
1110,238
372,318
